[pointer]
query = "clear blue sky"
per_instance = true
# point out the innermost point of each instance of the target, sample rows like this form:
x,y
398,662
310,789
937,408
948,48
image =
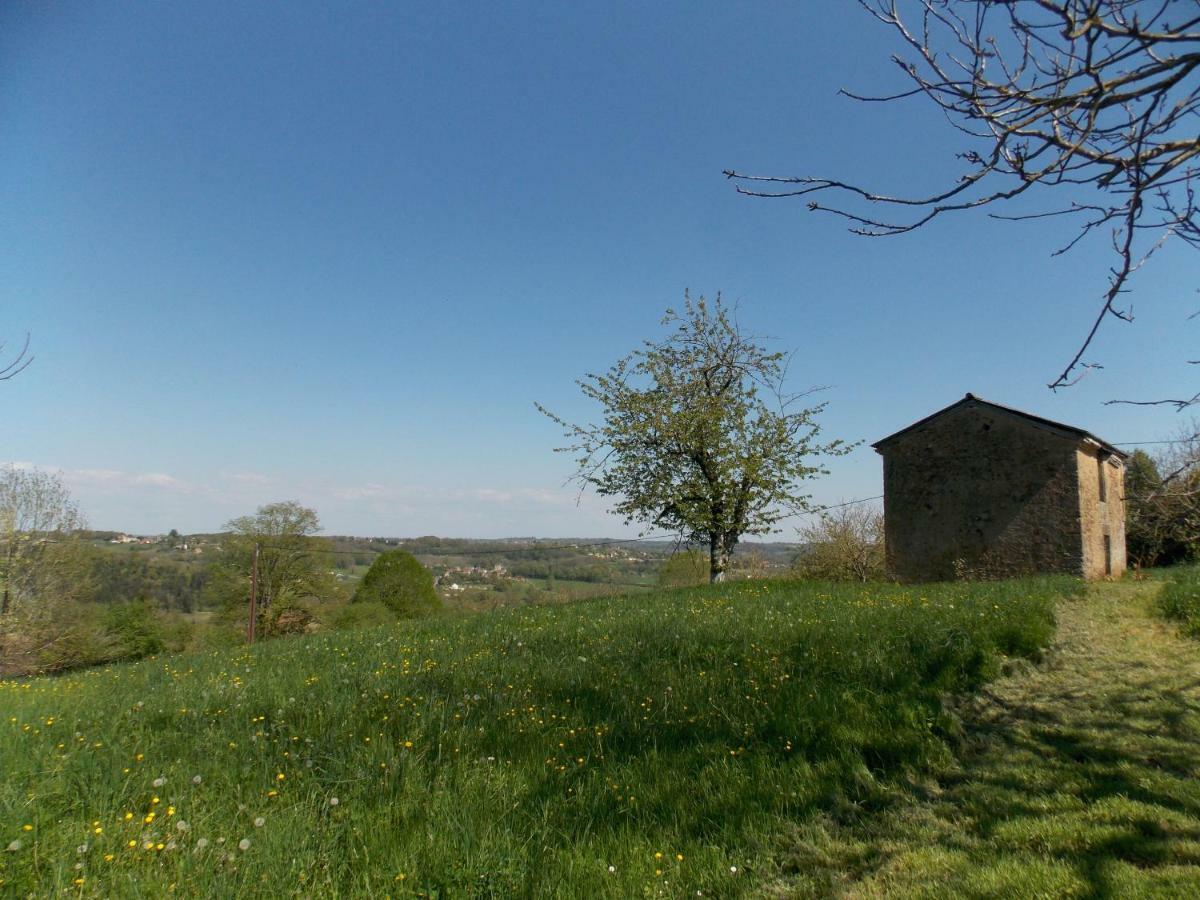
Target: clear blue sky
x,y
333,252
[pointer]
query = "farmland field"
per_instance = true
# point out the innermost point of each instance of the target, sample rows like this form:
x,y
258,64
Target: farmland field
x,y
658,744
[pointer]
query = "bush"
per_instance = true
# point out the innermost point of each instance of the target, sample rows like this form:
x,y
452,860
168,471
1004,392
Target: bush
x,y
1180,599
844,545
399,581
362,614
684,569
133,630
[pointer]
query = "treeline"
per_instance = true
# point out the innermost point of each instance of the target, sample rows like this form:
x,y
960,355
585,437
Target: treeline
x,y
165,584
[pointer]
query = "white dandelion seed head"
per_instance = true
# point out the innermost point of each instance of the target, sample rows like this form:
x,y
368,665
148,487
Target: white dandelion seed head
x,y
612,869
82,848
244,844
260,822
196,779
202,843
334,801
159,781
181,825
14,846
733,869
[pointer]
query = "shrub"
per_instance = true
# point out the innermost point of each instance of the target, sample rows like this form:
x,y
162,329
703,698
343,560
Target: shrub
x,y
362,614
845,544
399,581
133,629
684,570
1180,599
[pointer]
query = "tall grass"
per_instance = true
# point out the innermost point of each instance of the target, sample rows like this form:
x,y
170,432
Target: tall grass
x,y
655,744
1180,598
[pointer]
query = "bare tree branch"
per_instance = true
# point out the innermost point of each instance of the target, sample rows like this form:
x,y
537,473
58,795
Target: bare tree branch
x,y
17,364
1087,97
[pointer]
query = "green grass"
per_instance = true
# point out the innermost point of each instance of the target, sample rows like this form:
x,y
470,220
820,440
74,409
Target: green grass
x,y
1180,598
1075,779
658,744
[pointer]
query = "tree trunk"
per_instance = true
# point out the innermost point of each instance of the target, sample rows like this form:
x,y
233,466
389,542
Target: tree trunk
x,y
718,558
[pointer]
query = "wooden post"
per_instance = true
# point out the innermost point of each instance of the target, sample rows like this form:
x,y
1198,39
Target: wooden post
x,y
253,597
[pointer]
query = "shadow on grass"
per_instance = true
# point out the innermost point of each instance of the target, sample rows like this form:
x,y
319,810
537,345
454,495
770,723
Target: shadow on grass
x,y
1080,780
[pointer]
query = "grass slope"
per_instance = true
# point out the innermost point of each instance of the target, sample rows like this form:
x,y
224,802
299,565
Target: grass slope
x,y
1080,780
653,745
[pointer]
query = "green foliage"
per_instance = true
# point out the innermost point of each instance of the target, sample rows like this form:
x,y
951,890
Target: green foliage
x,y
684,569
399,581
113,577
1180,598
37,517
698,434
134,629
1162,503
676,737
362,614
293,564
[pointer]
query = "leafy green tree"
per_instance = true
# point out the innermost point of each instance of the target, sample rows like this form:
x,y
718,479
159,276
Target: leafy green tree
x,y
399,581
683,569
293,563
698,435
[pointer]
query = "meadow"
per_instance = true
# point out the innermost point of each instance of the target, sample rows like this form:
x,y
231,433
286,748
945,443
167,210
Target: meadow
x,y
661,744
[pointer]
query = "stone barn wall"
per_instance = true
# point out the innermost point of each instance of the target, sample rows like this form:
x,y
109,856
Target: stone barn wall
x,y
1101,512
980,493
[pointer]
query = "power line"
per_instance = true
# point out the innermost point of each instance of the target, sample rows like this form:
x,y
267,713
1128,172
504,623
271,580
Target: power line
x,y
1151,443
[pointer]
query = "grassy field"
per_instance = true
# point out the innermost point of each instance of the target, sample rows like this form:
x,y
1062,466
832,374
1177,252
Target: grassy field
x,y
663,744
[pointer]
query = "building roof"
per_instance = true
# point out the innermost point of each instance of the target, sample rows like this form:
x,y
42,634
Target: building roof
x,y
1067,431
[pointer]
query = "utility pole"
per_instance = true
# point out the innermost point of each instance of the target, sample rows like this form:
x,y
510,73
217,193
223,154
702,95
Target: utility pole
x,y
253,597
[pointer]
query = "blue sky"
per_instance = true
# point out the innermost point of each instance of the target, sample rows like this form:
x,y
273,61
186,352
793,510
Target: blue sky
x,y
334,252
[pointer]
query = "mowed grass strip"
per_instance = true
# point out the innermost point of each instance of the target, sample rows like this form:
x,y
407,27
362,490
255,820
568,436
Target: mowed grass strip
x,y
1075,779
656,744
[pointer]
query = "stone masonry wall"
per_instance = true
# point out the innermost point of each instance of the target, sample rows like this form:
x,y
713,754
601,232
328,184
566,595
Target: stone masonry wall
x,y
980,493
1101,518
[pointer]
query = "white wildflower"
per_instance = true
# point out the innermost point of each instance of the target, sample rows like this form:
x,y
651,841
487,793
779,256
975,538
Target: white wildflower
x,y
244,844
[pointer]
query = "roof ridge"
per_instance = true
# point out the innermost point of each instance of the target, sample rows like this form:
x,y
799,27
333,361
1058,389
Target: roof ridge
x,y
1036,419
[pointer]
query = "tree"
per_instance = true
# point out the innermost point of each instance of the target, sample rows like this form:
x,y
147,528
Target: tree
x,y
42,572
293,564
845,544
1162,502
698,436
1094,100
37,515
399,581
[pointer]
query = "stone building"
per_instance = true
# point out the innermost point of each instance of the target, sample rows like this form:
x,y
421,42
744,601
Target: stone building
x,y
983,491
